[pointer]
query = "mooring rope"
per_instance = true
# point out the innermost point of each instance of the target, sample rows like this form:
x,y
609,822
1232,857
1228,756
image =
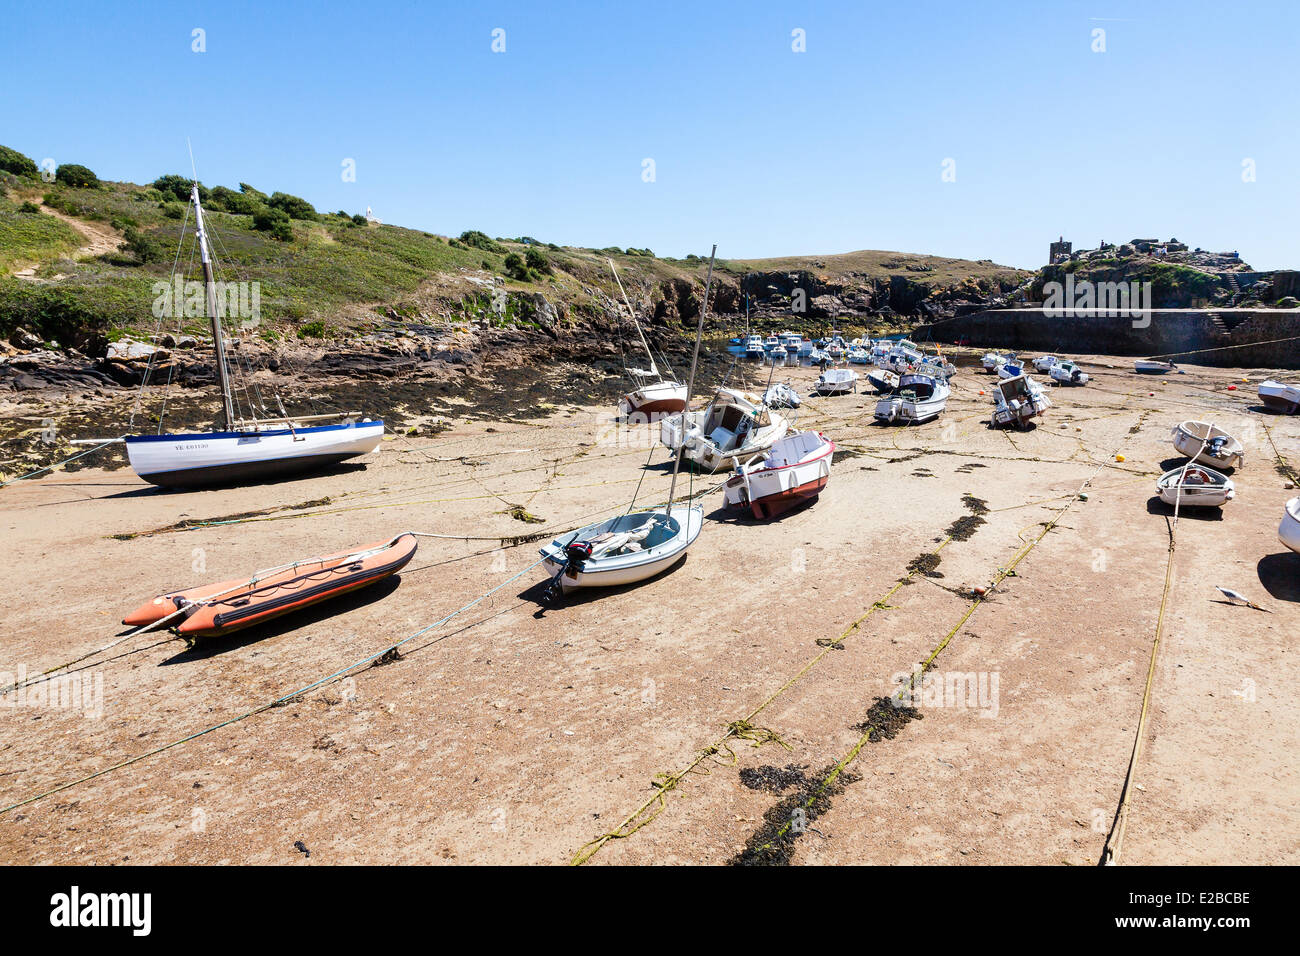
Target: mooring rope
x,y
57,464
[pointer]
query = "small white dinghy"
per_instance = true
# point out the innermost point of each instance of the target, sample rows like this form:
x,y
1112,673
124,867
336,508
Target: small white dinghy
x,y
1017,400
1288,532
1195,486
837,381
917,399
1280,397
623,550
1153,367
792,471
1208,444
1067,373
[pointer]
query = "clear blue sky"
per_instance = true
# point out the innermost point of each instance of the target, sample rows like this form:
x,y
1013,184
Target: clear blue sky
x,y
765,151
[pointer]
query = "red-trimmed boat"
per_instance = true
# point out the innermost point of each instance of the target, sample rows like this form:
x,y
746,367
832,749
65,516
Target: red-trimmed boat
x,y
794,470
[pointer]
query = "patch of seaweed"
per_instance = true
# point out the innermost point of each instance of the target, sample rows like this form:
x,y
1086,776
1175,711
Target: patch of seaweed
x,y
885,718
977,506
771,779
774,842
925,564
520,513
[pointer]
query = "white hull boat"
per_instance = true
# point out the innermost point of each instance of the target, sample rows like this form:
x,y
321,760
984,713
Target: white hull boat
x,y
734,426
623,550
1017,400
241,449
837,381
1010,370
1288,532
193,460
918,398
992,361
781,395
1195,486
1067,373
1208,445
1153,367
1280,397
659,398
1044,362
859,356
882,380
792,471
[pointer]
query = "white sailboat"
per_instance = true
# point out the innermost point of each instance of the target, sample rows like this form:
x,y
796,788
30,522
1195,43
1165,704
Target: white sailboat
x,y
653,392
637,545
245,449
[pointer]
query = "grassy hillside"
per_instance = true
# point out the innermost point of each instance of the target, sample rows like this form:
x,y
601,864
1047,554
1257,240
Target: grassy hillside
x,y
322,272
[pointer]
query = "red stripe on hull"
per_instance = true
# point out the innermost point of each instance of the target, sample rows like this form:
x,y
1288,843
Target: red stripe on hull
x,y
770,506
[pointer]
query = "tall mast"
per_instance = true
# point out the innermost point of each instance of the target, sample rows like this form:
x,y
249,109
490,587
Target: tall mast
x,y
690,384
644,344
210,300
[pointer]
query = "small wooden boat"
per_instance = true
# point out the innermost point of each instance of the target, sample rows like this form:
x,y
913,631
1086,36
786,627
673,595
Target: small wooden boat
x,y
792,471
1195,486
837,381
1067,373
213,610
917,399
1153,367
1280,397
1288,532
1208,444
1017,400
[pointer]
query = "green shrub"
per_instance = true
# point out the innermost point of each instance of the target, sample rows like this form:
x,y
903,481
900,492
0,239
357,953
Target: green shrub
x,y
12,161
536,260
248,190
143,246
70,174
241,204
29,208
274,221
295,206
173,211
312,330
479,240
359,220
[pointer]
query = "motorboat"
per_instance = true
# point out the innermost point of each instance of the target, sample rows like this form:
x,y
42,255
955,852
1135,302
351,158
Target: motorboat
x,y
1017,400
781,395
792,341
1195,486
1280,397
1067,373
623,550
837,381
882,380
992,361
795,469
859,356
1044,362
735,425
754,347
918,398
1010,369
1208,444
1153,367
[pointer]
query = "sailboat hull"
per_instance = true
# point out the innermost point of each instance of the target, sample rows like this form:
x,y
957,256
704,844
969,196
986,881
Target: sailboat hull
x,y
206,459
659,398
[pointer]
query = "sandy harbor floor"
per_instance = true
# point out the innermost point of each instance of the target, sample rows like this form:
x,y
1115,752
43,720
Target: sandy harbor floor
x,y
518,734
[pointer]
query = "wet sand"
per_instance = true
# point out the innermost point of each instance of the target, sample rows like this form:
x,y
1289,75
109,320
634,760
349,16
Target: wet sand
x,y
515,733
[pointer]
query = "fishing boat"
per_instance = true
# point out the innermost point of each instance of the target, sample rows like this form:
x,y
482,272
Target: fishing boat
x,y
778,354
1153,367
637,545
795,469
859,356
1288,532
1208,444
817,356
805,348
781,395
882,380
1067,373
792,341
918,398
837,381
902,357
653,392
1279,397
244,448
734,425
1044,362
1010,369
935,365
218,609
1194,486
754,347
1017,400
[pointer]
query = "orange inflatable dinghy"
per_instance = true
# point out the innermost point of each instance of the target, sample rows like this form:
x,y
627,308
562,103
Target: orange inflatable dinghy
x,y
216,609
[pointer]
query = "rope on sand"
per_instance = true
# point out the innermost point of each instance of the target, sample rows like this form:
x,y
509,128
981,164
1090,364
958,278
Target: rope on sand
x,y
57,464
278,702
